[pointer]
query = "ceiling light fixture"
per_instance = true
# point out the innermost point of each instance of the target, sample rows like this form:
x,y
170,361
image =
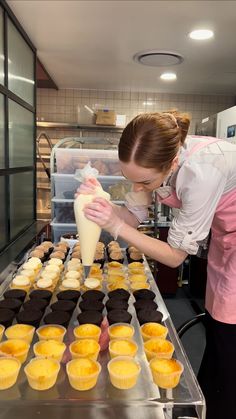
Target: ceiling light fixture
x,y
158,58
201,34
168,76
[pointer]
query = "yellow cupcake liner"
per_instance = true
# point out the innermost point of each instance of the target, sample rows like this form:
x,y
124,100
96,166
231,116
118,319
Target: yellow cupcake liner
x,y
153,330
166,380
159,348
37,348
92,354
120,326
8,379
114,350
51,328
9,348
26,335
123,382
83,383
43,382
2,329
87,331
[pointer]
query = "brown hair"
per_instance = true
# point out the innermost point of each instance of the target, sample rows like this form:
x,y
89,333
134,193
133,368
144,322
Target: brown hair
x,y
152,140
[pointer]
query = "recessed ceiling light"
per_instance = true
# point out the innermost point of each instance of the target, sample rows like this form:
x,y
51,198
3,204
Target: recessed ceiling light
x,y
201,34
158,58
168,76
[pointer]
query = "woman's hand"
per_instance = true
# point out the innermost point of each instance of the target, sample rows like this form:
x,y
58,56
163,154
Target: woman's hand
x,y
88,187
103,213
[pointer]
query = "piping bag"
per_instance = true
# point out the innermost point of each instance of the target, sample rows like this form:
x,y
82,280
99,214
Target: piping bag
x,y
89,232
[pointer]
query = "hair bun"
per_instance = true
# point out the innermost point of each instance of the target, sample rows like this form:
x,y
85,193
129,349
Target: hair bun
x,y
183,122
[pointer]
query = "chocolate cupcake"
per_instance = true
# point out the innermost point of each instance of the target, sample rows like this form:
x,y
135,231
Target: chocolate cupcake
x,y
93,295
6,317
119,316
32,317
119,294
114,304
92,317
18,294
63,305
41,294
69,295
11,304
88,305
145,304
57,317
35,304
149,315
144,294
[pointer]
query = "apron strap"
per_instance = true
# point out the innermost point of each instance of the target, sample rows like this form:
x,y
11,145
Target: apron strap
x,y
199,146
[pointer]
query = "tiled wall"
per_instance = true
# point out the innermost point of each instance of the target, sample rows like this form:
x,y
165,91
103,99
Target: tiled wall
x,y
67,105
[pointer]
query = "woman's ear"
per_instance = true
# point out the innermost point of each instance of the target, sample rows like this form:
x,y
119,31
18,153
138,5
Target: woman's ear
x,y
175,163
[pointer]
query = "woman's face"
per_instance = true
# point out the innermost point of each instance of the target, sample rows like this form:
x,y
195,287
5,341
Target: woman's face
x,y
143,179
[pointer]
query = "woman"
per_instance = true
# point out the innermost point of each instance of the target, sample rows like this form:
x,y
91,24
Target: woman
x,y
198,176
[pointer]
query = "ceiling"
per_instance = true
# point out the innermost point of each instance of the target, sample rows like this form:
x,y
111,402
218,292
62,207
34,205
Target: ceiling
x,y
90,44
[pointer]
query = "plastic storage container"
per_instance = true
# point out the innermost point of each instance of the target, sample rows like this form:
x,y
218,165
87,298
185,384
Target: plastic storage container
x,y
59,229
64,211
68,160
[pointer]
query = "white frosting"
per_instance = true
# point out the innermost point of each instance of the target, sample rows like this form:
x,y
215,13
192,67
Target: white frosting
x,y
50,275
91,283
44,283
55,261
29,273
52,268
72,274
71,283
36,261
21,281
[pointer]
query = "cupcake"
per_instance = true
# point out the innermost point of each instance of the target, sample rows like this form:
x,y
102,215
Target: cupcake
x,y
9,370
70,284
115,277
36,304
63,305
119,294
20,331
149,315
38,254
87,305
35,261
119,316
18,348
29,273
121,331
114,265
11,304
144,294
92,317
50,275
135,265
61,318
45,284
135,286
42,373
73,275
18,294
125,347
93,295
87,331
117,285
115,304
145,305
20,282
85,348
123,372
58,255
32,317
117,256
83,373
41,294
92,284
56,262
52,268
49,349
166,372
157,347
6,317
153,330
51,332
135,257
138,278
76,255
69,295
47,244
